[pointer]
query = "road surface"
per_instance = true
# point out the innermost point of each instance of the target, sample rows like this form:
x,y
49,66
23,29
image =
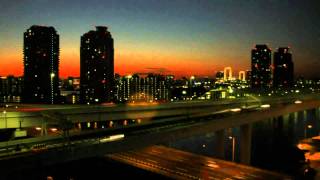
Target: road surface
x,y
184,165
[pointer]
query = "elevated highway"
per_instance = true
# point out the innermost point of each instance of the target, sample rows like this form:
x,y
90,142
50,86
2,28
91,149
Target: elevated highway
x,y
24,116
183,165
96,143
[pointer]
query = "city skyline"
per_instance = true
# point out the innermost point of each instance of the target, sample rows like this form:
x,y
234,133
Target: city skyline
x,y
189,38
160,89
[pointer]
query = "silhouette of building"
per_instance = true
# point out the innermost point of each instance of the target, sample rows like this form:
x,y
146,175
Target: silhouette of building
x,y
219,75
41,65
261,74
11,89
96,66
248,76
283,68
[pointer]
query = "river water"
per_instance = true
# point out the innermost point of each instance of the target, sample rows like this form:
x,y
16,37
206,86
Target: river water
x,y
274,142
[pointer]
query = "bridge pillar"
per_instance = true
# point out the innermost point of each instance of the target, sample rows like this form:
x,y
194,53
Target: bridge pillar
x,y
219,148
300,116
291,125
245,143
44,130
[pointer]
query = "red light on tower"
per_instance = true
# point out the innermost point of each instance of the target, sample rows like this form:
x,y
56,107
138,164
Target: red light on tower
x,y
272,67
103,55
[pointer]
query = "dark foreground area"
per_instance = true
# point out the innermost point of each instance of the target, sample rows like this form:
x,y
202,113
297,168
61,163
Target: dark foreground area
x,y
91,169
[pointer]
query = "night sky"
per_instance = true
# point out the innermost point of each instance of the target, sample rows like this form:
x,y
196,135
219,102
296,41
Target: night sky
x,y
177,37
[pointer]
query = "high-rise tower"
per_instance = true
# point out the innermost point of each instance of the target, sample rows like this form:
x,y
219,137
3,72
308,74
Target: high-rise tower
x,y
261,67
283,68
96,66
41,65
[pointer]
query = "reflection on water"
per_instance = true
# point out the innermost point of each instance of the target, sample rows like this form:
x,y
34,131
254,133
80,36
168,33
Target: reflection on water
x,y
274,142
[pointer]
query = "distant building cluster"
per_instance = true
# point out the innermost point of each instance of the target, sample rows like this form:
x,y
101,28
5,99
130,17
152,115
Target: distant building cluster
x,y
97,83
264,75
142,88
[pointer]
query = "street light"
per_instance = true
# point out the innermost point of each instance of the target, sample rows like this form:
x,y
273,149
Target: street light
x,y
233,147
5,120
4,116
51,78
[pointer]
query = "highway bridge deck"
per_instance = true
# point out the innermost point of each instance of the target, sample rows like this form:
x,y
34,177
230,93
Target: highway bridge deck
x,y
184,165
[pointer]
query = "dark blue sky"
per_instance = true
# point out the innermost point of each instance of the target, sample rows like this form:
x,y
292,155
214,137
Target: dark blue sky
x,y
184,37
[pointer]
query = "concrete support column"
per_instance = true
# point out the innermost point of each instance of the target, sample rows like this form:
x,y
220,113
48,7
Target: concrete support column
x,y
44,131
291,125
219,148
245,143
301,115
311,115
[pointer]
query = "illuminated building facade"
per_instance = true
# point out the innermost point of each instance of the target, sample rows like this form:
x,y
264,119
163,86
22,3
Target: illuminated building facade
x,y
242,75
70,90
142,88
261,74
227,74
96,66
41,65
283,68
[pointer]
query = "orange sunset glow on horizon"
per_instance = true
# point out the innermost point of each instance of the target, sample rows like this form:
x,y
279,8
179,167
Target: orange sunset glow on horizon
x,y
159,61
183,39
